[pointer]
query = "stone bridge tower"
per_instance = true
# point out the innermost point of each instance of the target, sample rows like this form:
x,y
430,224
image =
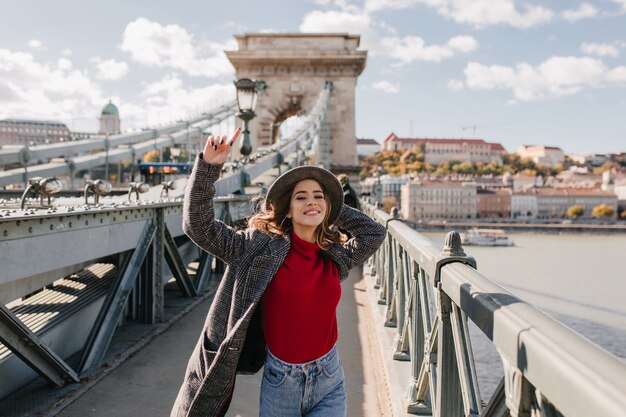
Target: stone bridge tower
x,y
295,68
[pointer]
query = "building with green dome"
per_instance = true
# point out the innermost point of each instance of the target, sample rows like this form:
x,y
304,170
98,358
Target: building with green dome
x,y
110,120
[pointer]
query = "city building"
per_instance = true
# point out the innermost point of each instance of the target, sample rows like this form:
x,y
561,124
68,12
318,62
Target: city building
x,y
438,200
492,203
619,189
32,132
577,178
553,203
440,150
522,181
110,120
549,155
390,185
367,147
524,204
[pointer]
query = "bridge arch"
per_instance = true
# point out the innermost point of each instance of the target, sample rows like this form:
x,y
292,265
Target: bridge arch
x,y
295,68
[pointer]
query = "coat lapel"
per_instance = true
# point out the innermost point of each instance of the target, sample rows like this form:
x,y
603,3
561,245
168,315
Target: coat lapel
x,y
264,268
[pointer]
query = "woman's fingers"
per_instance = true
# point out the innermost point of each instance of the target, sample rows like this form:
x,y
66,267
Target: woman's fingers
x,y
218,147
235,136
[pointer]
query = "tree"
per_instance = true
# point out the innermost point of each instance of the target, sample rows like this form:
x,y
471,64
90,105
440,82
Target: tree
x,y
607,166
389,203
575,212
603,211
152,156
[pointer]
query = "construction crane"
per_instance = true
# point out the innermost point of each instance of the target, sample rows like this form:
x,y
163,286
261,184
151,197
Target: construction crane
x,y
473,127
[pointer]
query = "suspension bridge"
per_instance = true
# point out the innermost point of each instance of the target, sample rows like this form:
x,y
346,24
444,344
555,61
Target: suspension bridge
x,y
101,299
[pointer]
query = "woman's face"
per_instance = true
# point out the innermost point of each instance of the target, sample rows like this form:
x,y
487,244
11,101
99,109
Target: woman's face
x,y
307,208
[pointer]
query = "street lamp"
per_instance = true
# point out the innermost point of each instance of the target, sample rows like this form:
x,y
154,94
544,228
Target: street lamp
x,y
378,190
246,101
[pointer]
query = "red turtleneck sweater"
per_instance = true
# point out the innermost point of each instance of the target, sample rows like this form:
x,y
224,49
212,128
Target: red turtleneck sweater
x,y
299,307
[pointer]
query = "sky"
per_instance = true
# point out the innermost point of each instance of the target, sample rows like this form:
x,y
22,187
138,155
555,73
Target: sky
x,y
507,71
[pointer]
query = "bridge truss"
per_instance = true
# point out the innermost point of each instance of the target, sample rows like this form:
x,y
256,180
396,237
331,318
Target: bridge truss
x,y
70,157
72,272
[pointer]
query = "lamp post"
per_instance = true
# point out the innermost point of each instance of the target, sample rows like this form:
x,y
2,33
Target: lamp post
x,y
246,101
378,191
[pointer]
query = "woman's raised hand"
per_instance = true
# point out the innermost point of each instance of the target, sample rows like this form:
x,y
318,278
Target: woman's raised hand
x,y
217,148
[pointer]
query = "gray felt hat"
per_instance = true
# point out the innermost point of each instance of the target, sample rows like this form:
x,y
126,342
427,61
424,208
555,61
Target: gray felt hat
x,y
281,188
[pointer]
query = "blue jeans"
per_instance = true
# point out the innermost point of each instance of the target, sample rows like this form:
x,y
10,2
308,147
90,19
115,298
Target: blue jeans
x,y
312,389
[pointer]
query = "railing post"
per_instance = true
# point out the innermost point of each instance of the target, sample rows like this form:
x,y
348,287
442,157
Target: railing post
x,y
450,398
387,293
518,391
392,284
420,352
403,308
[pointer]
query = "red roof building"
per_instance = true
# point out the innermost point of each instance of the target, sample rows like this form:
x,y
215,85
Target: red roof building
x,y
437,150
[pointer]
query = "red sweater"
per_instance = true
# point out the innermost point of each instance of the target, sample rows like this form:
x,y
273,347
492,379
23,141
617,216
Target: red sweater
x,y
299,307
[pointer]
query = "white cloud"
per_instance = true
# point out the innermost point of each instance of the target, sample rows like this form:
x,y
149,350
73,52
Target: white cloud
x,y
169,99
30,89
35,44
403,50
386,87
376,5
66,52
412,48
617,75
171,46
622,3
341,22
478,13
585,11
600,49
555,77
110,69
456,85
271,30
482,13
64,64
464,44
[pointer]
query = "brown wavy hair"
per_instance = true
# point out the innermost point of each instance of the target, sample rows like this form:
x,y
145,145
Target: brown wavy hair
x,y
274,220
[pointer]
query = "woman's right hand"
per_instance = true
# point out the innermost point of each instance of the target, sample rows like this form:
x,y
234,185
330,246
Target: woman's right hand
x,y
217,148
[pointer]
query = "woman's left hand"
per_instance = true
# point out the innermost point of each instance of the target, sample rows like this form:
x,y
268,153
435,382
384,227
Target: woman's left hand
x,y
217,148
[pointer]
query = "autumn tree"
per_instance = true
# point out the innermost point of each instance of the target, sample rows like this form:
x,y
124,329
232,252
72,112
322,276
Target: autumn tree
x,y
152,156
575,212
603,211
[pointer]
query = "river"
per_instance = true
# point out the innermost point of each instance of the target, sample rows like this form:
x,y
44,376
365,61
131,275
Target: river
x,y
578,279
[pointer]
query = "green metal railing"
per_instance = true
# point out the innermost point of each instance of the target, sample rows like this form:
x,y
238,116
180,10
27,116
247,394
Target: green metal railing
x,y
430,294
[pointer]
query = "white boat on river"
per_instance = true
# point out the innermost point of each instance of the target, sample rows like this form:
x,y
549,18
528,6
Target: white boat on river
x,y
486,237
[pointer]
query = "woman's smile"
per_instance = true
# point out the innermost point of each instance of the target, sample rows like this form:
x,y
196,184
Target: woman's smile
x,y
307,208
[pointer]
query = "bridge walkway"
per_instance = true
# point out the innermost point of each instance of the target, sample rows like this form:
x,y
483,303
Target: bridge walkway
x,y
146,384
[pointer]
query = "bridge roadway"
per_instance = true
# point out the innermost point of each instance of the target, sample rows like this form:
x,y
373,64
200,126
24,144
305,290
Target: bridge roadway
x,y
146,384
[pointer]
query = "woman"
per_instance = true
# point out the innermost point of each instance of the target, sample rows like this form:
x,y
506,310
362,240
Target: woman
x,y
276,303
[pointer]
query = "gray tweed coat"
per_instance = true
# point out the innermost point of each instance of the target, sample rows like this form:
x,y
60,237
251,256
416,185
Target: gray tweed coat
x,y
232,341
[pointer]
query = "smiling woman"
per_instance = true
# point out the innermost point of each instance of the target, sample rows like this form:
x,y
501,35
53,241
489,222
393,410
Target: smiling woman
x,y
307,208
277,302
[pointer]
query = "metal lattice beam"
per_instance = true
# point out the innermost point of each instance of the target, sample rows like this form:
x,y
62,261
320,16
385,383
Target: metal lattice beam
x,y
100,337
25,344
177,266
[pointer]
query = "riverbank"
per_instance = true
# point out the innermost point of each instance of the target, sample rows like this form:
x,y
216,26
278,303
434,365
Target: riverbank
x,y
523,227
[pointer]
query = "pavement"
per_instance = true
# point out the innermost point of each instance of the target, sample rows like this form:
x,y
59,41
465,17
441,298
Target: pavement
x,y
146,384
